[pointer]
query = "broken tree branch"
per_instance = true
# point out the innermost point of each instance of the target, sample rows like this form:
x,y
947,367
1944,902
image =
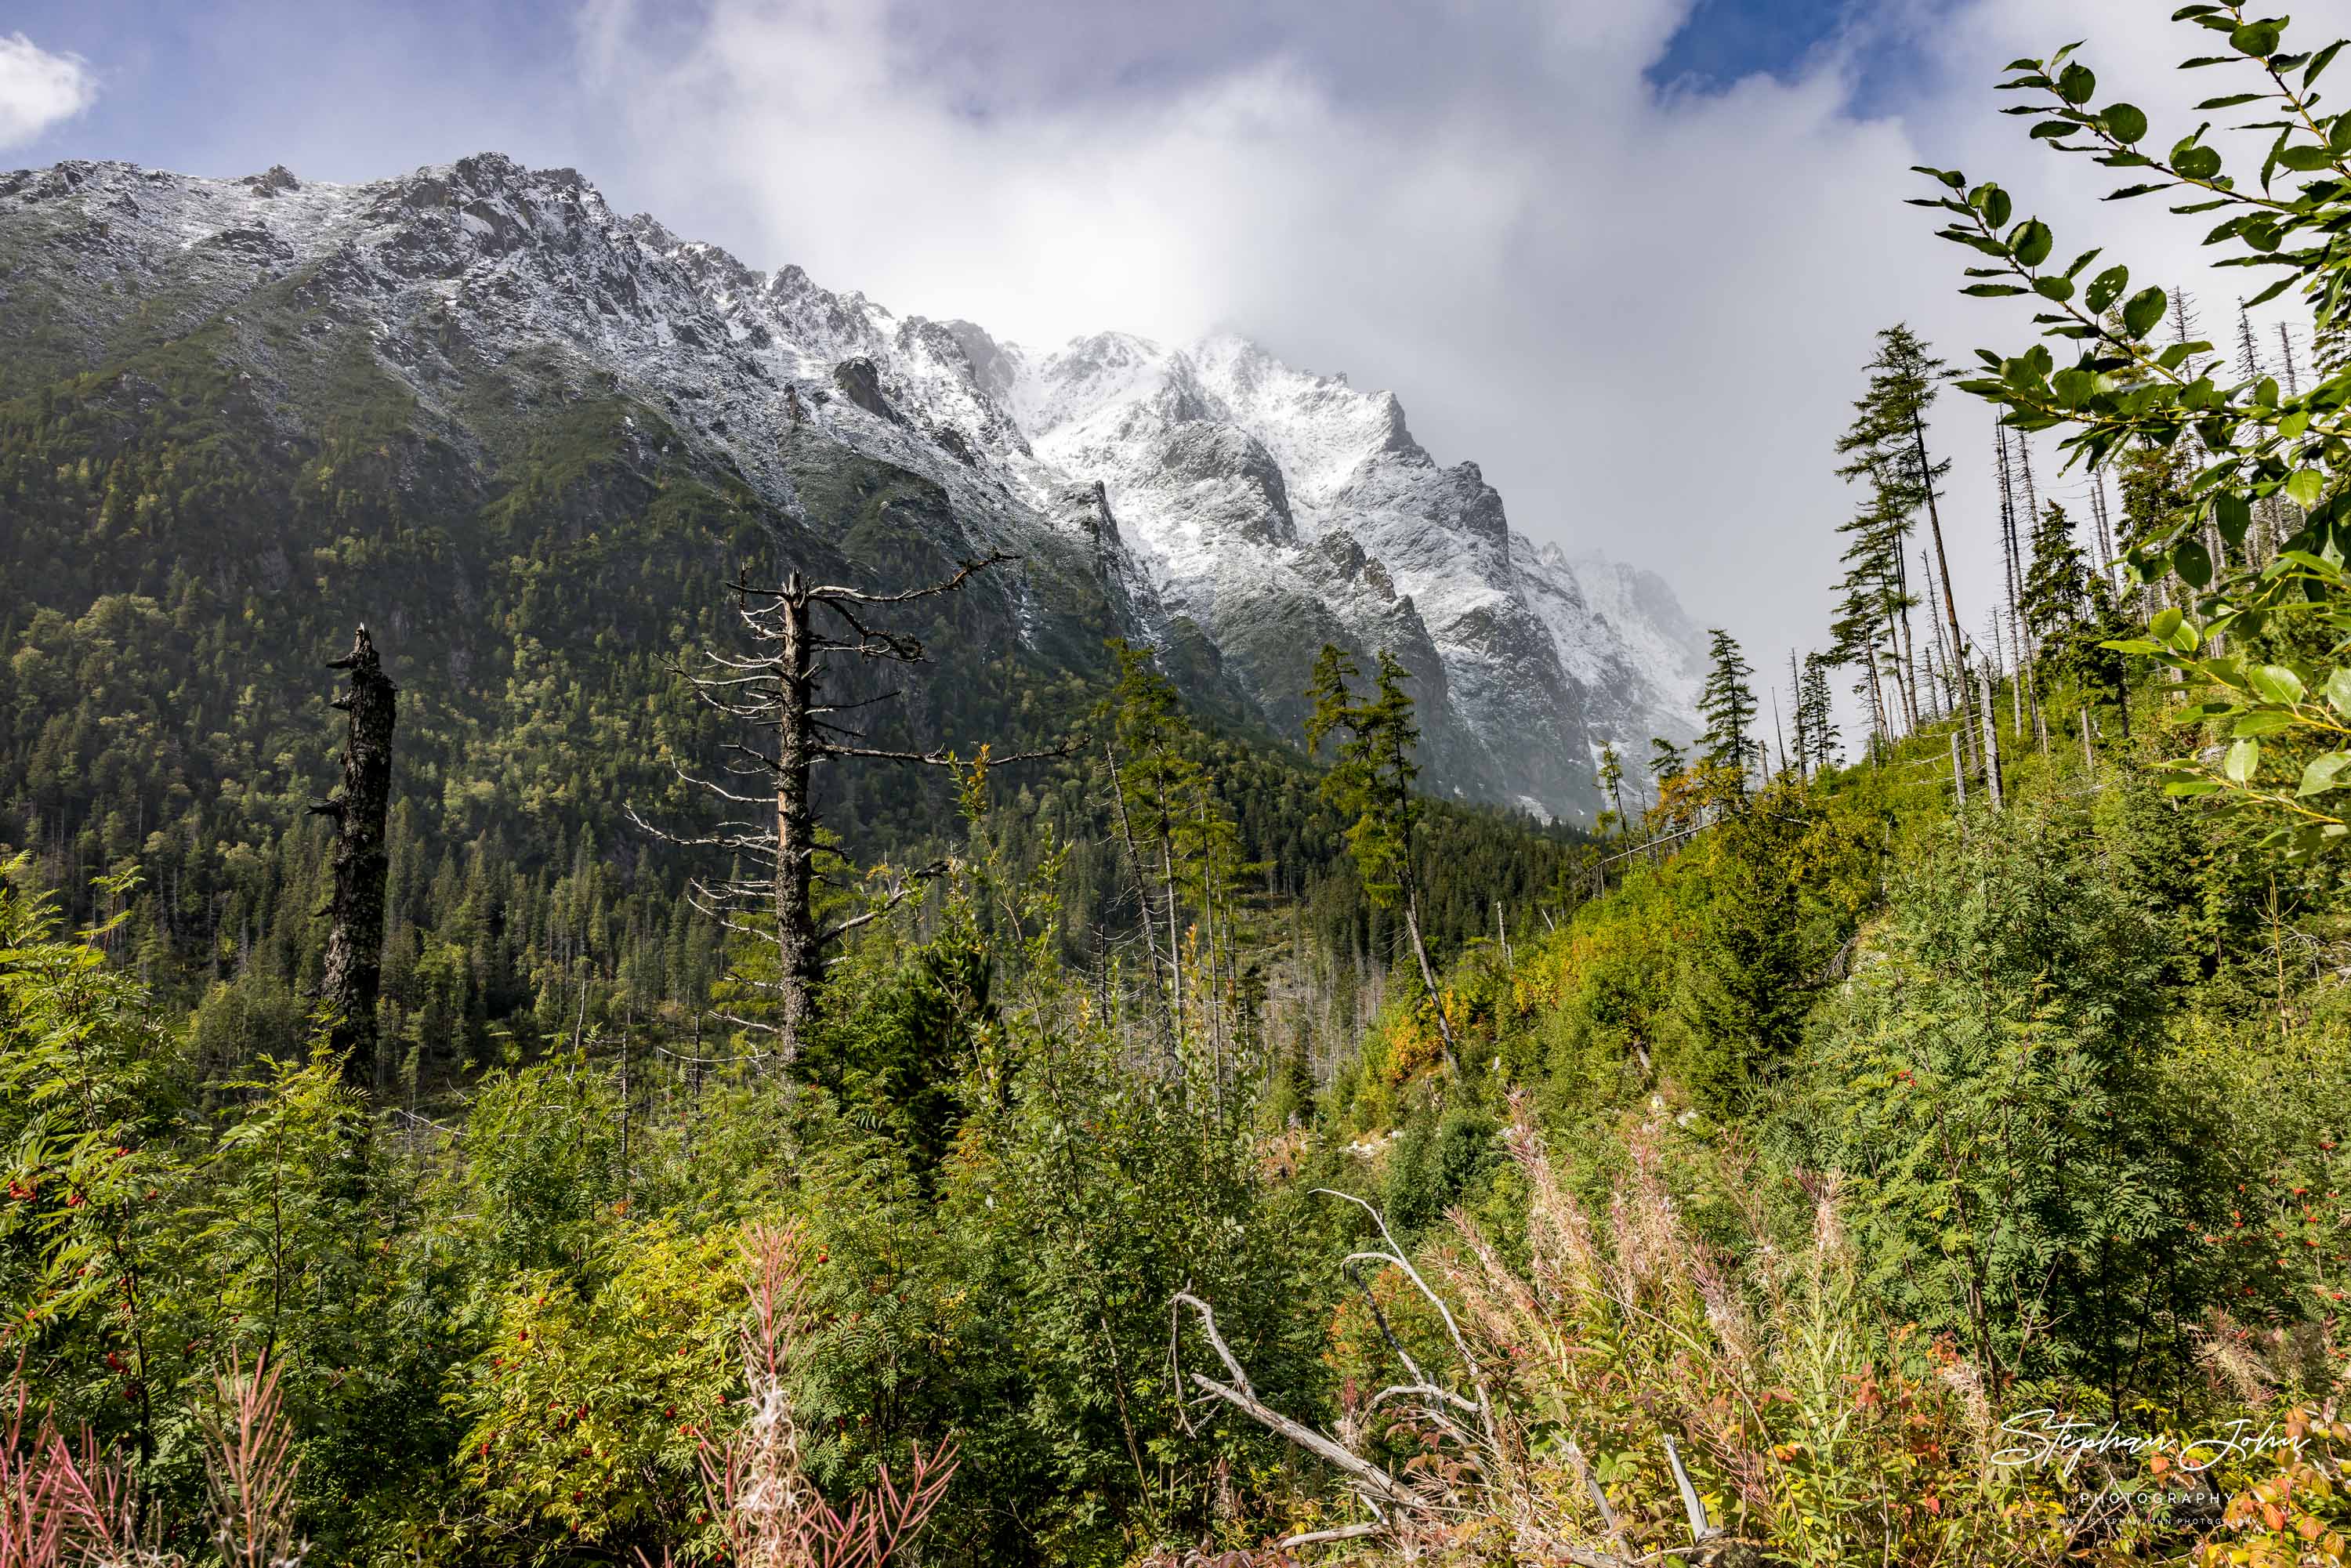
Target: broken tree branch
x,y
1376,1483
1701,1530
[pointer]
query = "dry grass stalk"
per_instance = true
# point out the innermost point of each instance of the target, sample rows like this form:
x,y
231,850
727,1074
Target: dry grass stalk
x,y
772,1515
249,1446
1738,1401
63,1502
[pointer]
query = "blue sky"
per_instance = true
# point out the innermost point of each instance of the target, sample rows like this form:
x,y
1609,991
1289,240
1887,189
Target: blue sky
x,y
1726,39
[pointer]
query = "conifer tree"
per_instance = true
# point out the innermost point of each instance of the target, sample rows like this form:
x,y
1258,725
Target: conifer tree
x,y
1861,632
1182,846
1151,781
2154,482
2012,572
1816,713
1611,782
1796,718
2248,351
1887,444
1728,704
2186,326
2108,563
2057,583
1875,601
2073,614
1369,783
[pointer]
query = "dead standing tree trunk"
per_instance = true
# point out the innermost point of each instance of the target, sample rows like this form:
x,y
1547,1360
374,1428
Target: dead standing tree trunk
x,y
1942,555
355,973
779,689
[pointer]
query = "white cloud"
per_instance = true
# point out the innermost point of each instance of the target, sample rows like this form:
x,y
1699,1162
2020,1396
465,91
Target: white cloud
x,y
38,89
1642,313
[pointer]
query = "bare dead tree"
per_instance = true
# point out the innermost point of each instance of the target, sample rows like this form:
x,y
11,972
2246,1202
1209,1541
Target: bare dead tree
x,y
1908,655
2011,557
354,970
2109,565
1941,652
2028,647
779,689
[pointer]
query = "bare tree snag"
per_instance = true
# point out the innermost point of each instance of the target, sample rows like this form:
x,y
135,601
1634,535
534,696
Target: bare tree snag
x,y
1942,557
1428,976
779,690
1608,1520
354,974
1990,738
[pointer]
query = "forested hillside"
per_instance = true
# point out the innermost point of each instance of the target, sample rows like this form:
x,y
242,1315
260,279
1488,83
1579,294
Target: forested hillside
x,y
180,561
1119,1135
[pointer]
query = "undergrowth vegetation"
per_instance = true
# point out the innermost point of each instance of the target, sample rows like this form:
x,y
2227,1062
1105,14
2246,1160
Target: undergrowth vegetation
x,y
1934,1159
2041,1151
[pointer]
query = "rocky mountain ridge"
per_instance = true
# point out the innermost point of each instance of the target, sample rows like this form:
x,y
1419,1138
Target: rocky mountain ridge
x,y
1218,501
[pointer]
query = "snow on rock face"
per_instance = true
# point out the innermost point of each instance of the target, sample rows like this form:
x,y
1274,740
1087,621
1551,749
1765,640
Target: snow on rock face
x,y
1534,677
1274,509
1625,642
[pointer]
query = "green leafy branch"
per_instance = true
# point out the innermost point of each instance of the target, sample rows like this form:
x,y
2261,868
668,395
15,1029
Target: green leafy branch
x,y
2259,445
2262,701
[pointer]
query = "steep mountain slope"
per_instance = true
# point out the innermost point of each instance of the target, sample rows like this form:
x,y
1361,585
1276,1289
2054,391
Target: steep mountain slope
x,y
1266,501
1222,506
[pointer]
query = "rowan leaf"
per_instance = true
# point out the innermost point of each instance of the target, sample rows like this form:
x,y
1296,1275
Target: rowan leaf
x,y
2143,310
2275,683
2323,773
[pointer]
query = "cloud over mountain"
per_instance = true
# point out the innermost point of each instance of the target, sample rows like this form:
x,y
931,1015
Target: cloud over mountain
x,y
38,89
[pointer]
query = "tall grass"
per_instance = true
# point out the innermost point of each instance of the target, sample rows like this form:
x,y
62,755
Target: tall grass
x,y
1612,1387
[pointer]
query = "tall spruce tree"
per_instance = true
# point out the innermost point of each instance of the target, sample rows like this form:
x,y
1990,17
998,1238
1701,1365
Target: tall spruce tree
x,y
1872,599
1612,783
2057,583
2073,614
1816,713
1728,704
1886,444
1370,784
1179,841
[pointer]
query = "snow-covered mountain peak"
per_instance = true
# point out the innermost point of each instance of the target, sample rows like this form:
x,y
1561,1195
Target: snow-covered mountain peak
x,y
1090,379
1275,508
